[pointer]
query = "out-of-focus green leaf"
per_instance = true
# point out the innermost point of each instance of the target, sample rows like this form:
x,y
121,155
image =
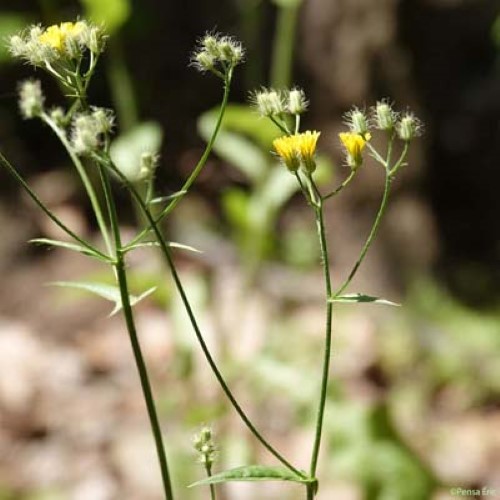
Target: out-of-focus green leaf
x,y
287,3
112,13
108,292
359,297
495,32
252,473
10,24
235,203
126,150
235,149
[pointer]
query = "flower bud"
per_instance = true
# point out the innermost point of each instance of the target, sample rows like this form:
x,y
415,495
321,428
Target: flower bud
x,y
409,127
357,121
85,134
205,446
269,102
384,116
31,98
148,163
297,102
58,116
104,120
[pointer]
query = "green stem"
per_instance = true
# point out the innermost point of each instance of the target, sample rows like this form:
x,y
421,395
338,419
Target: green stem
x,y
284,41
328,340
213,494
342,186
134,340
48,212
371,236
85,180
180,288
199,166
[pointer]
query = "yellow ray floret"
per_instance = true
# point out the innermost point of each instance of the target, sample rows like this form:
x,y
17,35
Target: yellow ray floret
x,y
293,149
354,145
55,36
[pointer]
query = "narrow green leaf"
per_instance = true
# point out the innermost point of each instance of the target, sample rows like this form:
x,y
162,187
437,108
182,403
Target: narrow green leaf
x,y
163,199
67,245
180,246
108,292
171,244
359,297
253,473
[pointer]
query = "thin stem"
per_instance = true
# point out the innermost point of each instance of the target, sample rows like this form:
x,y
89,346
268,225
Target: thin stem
x,y
342,186
320,224
180,288
48,212
201,163
371,236
213,494
85,180
281,125
134,340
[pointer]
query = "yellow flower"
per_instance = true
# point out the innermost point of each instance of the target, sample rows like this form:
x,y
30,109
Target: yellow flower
x,y
354,145
287,149
306,144
296,148
55,36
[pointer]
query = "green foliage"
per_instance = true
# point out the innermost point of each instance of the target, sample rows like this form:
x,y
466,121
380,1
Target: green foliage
x,y
112,13
251,473
10,23
361,298
108,292
126,150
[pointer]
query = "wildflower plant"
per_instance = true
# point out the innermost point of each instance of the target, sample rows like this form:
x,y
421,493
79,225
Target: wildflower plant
x,y
69,53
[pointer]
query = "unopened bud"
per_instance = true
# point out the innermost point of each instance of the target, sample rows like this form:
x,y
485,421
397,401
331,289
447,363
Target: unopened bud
x,y
297,102
269,102
357,121
409,127
31,98
384,116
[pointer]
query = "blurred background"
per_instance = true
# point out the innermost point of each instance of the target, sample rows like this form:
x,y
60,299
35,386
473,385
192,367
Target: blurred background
x,y
414,406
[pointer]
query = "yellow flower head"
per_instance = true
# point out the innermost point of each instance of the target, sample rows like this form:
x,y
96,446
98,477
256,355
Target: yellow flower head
x,y
354,145
307,148
296,148
56,36
287,149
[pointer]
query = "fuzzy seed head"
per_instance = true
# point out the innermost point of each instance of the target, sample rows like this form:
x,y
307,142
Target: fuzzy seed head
x,y
269,103
384,117
357,121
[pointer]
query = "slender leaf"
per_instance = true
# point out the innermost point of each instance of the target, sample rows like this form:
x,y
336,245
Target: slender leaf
x,y
163,199
108,292
68,246
359,297
171,244
253,473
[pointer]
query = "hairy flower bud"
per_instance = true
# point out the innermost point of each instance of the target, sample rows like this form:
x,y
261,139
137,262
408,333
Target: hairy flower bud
x,y
204,444
357,121
384,117
269,102
31,98
408,127
297,102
